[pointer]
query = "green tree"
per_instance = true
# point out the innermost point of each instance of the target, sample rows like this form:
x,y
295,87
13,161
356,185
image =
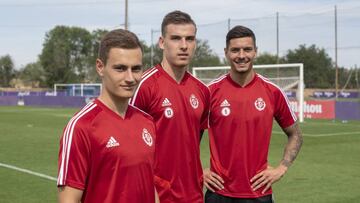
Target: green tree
x,y
156,57
318,68
348,78
267,58
7,71
204,55
91,74
33,74
65,55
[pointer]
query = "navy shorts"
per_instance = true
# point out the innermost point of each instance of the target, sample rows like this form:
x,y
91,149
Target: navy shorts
x,y
212,197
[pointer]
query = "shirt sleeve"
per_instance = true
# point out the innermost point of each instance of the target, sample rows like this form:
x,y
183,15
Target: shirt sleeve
x,y
74,156
284,115
205,115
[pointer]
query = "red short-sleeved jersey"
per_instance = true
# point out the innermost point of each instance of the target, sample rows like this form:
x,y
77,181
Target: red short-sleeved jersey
x,y
108,157
240,124
180,111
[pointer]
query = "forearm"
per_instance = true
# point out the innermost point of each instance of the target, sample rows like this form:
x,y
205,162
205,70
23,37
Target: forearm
x,y
69,195
157,200
271,175
293,145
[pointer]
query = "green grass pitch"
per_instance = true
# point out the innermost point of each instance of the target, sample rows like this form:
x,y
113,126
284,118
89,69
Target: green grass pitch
x,y
327,168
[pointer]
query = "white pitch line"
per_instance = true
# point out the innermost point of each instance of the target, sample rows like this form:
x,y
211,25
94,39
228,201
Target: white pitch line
x,y
28,172
323,135
331,124
332,134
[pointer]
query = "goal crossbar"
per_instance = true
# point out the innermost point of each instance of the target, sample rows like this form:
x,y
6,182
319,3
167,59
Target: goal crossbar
x,y
298,80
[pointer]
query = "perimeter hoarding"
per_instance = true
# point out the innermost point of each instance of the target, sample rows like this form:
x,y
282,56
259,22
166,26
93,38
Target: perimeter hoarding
x,y
316,109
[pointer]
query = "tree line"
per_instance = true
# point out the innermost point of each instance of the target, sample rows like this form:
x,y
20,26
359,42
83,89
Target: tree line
x,y
69,53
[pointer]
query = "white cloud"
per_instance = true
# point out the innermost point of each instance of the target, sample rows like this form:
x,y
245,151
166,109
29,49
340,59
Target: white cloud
x,y
24,23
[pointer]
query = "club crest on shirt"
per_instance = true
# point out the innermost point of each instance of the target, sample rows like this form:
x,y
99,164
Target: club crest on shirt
x,y
168,112
147,137
225,111
260,104
194,101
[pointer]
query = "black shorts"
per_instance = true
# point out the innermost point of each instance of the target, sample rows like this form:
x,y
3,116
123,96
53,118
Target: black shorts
x,y
212,197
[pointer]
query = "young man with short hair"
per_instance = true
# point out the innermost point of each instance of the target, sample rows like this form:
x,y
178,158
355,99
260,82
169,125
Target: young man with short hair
x,y
243,106
107,148
178,103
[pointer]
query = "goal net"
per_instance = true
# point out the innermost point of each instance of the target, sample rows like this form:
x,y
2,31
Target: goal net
x,y
289,77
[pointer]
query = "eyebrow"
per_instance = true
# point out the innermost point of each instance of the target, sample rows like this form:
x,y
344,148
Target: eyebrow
x,y
238,48
178,35
119,66
125,66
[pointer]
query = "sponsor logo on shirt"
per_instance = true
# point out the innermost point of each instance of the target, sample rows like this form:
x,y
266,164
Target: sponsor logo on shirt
x,y
112,143
260,104
147,137
168,112
166,102
194,101
225,111
225,103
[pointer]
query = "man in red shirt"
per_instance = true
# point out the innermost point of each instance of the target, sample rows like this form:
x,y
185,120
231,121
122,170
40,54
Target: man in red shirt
x,y
107,148
243,106
178,103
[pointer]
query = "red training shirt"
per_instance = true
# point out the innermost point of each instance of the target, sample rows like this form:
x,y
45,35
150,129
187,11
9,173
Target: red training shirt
x,y
180,111
240,124
108,157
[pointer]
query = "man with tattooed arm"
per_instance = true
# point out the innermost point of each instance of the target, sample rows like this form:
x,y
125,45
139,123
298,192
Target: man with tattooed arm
x,y
243,106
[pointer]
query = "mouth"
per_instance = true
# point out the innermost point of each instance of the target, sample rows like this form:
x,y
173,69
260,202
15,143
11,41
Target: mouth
x,y
241,62
183,55
128,87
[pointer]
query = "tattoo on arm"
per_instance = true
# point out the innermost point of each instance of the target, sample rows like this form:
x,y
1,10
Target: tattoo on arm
x,y
293,145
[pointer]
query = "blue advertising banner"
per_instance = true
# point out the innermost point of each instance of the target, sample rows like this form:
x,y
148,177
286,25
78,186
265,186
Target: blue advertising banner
x,y
56,101
345,110
331,94
8,100
290,94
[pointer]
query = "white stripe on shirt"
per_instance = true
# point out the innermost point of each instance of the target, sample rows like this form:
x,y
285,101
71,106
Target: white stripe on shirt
x,y
67,141
132,101
282,92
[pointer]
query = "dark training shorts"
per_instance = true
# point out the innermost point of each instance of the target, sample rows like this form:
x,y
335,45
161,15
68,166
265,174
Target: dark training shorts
x,y
212,197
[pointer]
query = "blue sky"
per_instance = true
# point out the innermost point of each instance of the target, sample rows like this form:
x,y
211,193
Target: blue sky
x,y
23,23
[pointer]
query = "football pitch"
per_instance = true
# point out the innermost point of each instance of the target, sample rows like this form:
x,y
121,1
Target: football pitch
x,y
327,168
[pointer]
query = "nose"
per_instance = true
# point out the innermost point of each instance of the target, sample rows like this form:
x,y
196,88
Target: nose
x,y
241,53
129,76
184,44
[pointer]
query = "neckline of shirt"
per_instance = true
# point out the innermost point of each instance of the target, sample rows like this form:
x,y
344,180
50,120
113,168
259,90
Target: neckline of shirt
x,y
111,112
239,86
172,80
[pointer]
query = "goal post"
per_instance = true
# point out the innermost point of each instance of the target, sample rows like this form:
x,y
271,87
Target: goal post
x,y
287,76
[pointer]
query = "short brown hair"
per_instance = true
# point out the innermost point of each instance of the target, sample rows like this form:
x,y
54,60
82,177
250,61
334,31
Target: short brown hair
x,y
239,32
118,38
177,18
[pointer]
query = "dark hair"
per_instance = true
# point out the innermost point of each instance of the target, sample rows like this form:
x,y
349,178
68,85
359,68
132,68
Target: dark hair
x,y
239,32
118,38
177,18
